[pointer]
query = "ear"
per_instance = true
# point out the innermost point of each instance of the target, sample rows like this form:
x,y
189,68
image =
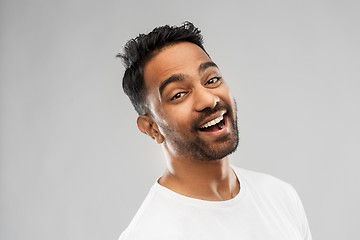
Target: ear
x,y
149,127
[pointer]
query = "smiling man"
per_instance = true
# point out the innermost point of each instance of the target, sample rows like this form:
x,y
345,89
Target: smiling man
x,y
185,105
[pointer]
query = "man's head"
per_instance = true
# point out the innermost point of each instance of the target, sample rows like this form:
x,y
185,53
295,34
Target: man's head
x,y
140,50
179,94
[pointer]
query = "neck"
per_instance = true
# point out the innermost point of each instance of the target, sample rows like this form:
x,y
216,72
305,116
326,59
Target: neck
x,y
212,181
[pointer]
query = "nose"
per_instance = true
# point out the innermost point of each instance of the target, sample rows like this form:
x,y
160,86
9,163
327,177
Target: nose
x,y
205,98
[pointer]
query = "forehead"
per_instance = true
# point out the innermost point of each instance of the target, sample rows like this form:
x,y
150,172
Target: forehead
x,y
180,58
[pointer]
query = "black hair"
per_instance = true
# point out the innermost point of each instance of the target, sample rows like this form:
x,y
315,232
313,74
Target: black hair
x,y
138,51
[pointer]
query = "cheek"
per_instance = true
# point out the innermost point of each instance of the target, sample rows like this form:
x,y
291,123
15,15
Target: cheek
x,y
178,115
226,95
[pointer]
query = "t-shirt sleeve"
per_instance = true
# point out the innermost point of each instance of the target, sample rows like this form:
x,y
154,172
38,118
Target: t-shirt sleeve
x,y
302,221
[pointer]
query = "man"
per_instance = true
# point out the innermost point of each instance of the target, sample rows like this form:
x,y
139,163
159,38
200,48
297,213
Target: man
x,y
185,106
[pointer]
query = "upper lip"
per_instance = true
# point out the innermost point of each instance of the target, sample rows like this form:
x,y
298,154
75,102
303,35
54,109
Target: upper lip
x,y
213,117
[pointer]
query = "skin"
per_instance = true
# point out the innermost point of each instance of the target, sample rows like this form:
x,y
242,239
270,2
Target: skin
x,y
197,163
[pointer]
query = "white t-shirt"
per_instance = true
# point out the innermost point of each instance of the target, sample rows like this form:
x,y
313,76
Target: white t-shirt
x,y
266,208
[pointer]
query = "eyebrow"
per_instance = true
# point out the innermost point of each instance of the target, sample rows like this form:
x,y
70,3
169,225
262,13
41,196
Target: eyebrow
x,y
173,78
180,77
206,65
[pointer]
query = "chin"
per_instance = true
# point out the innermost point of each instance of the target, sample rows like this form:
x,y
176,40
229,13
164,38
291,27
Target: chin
x,y
220,152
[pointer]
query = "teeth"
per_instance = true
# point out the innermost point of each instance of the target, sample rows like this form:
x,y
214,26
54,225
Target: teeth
x,y
213,122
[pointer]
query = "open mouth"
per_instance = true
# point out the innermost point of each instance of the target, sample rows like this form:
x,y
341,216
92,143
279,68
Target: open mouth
x,y
213,125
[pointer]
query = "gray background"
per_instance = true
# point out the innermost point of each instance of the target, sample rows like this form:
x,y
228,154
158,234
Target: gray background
x,y
73,164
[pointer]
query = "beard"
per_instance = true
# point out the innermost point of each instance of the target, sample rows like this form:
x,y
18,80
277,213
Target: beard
x,y
190,144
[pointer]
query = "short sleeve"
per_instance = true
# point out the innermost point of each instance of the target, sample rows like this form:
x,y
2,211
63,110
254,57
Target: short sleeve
x,y
301,218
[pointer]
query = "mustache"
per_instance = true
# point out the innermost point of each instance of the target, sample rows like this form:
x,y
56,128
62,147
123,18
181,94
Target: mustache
x,y
208,112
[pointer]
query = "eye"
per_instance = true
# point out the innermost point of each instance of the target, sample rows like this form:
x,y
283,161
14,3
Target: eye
x,y
177,96
214,82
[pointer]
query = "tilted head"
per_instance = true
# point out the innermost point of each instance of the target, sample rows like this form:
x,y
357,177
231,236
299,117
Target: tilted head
x,y
179,93
138,51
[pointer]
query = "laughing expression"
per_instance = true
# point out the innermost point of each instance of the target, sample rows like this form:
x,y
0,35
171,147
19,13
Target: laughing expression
x,y
190,103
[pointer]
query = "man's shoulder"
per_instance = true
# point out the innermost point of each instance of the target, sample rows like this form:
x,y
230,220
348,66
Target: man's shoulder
x,y
257,176
263,182
154,218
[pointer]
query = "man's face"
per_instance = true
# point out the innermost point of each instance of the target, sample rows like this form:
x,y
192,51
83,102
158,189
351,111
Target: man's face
x,y
190,103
